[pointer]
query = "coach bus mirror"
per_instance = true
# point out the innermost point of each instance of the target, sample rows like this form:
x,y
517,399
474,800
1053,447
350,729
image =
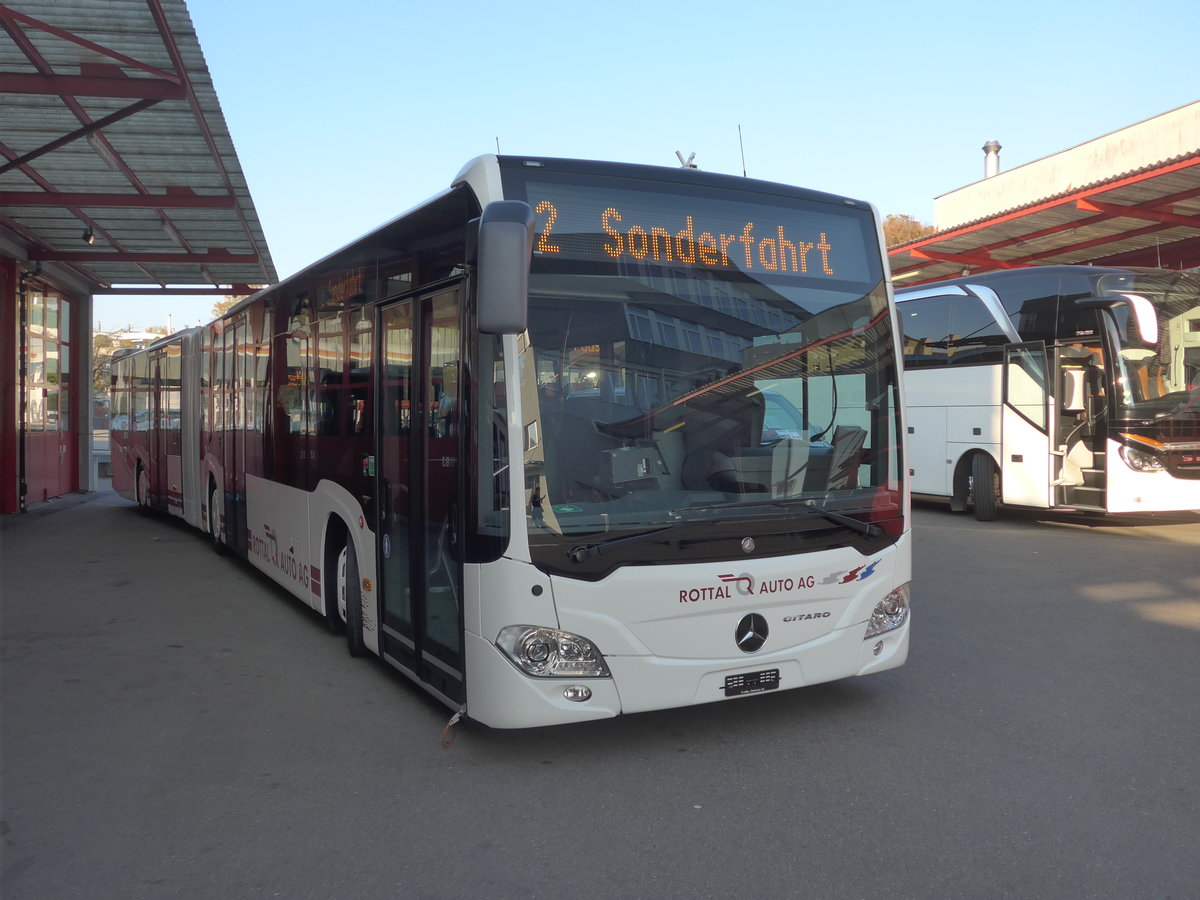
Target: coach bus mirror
x,y
505,249
1147,321
1142,315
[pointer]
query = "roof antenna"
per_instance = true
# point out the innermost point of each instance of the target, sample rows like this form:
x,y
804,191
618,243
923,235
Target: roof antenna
x,y
742,147
688,163
497,145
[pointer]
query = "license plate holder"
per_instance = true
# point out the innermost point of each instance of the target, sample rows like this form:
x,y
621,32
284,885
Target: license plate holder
x,y
751,682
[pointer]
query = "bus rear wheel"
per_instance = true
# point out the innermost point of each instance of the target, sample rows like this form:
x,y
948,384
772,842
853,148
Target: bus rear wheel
x,y
143,489
349,596
985,486
214,517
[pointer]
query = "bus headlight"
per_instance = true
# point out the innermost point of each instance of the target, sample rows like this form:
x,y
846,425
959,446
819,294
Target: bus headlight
x,y
1140,460
889,614
549,653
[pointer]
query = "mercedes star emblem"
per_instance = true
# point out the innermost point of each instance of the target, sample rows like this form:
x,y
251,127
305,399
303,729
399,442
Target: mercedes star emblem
x,y
751,633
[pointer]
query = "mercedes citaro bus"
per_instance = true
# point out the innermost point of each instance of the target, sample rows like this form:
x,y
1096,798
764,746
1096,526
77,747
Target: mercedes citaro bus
x,y
569,440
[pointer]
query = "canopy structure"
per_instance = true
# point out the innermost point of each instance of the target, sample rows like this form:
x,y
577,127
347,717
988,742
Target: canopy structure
x,y
117,176
116,166
1086,205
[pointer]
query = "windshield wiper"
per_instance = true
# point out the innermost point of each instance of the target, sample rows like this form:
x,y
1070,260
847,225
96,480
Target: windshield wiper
x,y
867,529
584,552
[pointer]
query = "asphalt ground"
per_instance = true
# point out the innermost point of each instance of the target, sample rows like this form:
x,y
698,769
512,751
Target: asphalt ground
x,y
174,725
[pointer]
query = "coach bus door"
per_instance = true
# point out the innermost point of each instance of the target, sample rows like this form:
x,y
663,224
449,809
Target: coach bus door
x,y
1080,480
1025,450
417,476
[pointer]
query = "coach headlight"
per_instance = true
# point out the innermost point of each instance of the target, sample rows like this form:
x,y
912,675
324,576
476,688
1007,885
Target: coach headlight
x,y
549,653
889,614
1140,460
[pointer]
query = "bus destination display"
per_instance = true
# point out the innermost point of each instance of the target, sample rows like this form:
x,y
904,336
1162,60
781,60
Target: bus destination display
x,y
680,231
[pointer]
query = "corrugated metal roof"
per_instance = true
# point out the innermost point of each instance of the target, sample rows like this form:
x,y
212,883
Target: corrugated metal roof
x,y
111,125
1147,217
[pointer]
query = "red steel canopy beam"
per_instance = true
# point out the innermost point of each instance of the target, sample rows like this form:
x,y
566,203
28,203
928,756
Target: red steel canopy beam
x,y
84,256
1116,210
1165,256
9,16
1088,245
233,290
90,86
966,259
1088,205
77,133
124,201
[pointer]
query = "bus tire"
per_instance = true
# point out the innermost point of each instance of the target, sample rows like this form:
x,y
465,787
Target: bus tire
x,y
349,593
143,489
984,486
214,518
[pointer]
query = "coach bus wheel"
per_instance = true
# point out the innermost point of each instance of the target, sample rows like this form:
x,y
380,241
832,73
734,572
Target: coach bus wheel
x,y
984,486
349,593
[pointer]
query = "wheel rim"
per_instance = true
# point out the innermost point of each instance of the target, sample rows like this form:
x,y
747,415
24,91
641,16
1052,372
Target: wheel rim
x,y
342,565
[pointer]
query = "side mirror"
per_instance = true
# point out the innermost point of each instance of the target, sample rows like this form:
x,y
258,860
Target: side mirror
x,y
1147,321
1078,392
502,270
1141,310
1074,398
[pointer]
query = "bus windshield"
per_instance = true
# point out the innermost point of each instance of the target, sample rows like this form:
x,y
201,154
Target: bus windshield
x,y
701,359
1158,374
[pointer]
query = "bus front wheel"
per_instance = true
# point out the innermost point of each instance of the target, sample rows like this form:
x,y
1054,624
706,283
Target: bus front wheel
x,y
985,484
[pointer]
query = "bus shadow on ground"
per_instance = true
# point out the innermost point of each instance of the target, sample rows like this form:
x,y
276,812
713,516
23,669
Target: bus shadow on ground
x,y
819,711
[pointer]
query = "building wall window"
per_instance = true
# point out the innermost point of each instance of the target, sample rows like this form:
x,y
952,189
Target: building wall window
x,y
48,362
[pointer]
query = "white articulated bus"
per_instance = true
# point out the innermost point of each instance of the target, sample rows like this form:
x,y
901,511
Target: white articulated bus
x,y
1058,387
569,440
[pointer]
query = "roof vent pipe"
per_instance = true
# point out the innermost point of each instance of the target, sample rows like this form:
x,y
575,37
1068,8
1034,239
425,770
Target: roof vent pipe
x,y
991,159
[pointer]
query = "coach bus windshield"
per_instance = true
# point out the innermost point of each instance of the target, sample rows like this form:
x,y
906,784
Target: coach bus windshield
x,y
704,367
1158,374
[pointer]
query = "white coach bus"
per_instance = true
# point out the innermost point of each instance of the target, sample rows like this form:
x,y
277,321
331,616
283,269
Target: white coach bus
x,y
1059,387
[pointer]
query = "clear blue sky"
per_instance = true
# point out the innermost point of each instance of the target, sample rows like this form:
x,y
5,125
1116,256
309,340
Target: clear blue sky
x,y
345,115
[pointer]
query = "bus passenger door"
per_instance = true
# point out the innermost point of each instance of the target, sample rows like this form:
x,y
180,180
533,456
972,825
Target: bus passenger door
x,y
233,432
1025,449
1080,476
157,424
417,478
